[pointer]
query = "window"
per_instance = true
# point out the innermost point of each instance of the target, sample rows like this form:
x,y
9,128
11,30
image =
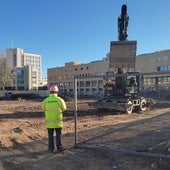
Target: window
x,y
152,60
164,68
81,84
165,58
20,72
87,83
94,83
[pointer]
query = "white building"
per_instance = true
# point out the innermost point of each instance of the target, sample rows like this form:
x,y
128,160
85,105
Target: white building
x,y
26,67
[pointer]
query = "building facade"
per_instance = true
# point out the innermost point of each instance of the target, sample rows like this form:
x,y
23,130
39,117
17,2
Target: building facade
x,y
153,62
158,63
86,84
26,68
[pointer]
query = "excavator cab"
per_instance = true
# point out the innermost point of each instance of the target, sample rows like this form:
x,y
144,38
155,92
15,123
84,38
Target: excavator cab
x,y
123,85
132,85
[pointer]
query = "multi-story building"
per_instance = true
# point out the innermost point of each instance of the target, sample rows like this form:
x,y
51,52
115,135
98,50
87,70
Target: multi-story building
x,y
86,85
64,77
157,61
26,68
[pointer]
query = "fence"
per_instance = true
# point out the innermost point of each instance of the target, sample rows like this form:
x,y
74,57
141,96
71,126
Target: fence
x,y
41,93
104,138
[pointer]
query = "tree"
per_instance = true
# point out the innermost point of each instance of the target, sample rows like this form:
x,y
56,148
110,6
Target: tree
x,y
6,74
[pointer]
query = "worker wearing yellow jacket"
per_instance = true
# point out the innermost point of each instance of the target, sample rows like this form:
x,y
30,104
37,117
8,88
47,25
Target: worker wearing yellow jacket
x,y
53,106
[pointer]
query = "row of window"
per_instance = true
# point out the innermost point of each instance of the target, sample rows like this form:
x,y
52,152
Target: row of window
x,y
160,80
164,68
76,69
70,77
157,59
82,90
81,84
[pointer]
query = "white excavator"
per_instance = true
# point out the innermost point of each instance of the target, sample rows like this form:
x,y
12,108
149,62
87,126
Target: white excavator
x,y
122,83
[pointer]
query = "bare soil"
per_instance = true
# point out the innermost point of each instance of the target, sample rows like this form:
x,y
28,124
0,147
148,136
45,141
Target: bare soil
x,y
104,141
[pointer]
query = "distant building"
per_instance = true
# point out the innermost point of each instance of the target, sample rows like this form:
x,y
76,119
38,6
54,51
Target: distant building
x,y
158,62
26,68
152,62
64,77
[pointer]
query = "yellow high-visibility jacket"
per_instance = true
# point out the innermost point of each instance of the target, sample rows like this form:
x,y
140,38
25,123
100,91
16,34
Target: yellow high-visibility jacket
x,y
53,106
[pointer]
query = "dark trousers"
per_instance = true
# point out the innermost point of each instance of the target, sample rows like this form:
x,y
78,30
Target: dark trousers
x,y
51,139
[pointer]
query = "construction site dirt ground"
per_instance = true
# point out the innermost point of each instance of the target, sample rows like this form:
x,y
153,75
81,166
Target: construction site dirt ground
x,y
104,141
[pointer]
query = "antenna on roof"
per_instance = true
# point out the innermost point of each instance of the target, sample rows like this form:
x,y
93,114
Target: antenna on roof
x,y
12,42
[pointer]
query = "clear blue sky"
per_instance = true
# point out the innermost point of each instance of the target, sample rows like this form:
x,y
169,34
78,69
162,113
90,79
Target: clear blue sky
x,y
81,30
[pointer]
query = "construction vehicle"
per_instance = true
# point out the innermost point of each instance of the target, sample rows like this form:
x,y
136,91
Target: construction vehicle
x,y
122,92
122,87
